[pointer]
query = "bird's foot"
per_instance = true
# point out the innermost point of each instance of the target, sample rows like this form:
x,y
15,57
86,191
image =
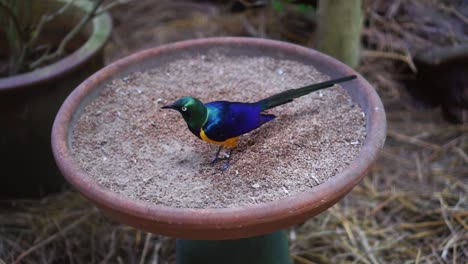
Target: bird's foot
x,y
225,166
214,160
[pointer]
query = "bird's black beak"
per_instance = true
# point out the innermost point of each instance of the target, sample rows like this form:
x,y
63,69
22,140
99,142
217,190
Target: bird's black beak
x,y
169,107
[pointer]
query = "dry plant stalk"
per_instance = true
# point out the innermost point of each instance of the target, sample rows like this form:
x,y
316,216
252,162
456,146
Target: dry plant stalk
x,y
22,35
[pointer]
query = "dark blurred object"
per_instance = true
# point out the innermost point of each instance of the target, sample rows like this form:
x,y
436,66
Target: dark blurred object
x,y
242,5
434,36
442,79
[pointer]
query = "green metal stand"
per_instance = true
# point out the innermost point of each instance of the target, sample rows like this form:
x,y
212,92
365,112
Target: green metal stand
x,y
267,249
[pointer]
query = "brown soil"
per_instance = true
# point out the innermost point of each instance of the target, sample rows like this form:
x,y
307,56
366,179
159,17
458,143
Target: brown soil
x,y
131,146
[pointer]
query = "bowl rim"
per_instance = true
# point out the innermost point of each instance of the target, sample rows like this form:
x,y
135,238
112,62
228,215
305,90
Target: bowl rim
x,y
281,213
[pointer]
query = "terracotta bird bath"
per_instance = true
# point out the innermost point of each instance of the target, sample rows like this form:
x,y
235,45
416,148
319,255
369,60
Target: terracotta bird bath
x,y
245,234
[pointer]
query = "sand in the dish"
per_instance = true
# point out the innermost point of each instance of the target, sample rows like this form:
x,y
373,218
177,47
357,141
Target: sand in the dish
x,y
131,146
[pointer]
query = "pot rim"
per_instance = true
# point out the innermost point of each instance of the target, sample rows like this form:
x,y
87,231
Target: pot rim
x,y
223,222
102,28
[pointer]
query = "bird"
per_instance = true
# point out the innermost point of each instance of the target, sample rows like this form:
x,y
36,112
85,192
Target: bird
x,y
223,122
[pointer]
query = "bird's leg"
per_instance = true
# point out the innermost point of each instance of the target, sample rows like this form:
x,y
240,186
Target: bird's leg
x,y
215,158
226,165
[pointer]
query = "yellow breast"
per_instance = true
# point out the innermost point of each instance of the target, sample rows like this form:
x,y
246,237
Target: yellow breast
x,y
228,143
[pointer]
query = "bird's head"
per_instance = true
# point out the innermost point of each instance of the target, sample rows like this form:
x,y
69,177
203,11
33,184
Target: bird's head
x,y
192,110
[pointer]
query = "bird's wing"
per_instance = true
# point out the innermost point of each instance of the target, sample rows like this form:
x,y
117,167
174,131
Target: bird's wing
x,y
231,119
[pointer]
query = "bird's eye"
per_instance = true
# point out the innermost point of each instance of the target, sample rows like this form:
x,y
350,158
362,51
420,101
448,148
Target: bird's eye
x,y
184,108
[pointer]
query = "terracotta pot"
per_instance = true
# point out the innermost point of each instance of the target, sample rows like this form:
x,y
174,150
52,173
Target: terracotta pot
x,y
30,101
225,223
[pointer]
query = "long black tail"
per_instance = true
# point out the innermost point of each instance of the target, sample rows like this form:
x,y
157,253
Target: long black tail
x,y
289,95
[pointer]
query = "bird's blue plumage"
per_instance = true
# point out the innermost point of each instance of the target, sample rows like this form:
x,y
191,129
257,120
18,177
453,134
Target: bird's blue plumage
x,y
231,119
222,122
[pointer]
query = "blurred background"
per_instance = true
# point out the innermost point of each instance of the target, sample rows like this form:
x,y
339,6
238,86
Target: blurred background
x,y
413,205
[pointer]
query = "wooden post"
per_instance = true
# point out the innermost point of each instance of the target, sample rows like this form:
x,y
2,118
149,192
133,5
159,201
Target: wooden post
x,y
339,29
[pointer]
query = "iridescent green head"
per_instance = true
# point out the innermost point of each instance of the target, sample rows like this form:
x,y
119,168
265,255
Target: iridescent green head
x,y
192,110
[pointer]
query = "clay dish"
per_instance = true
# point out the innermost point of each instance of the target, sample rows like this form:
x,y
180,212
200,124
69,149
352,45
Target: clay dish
x,y
220,223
